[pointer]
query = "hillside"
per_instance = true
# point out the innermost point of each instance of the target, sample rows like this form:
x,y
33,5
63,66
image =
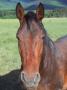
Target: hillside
x,y
32,4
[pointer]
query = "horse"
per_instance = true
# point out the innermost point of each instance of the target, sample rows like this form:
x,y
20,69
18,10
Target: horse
x,y
43,61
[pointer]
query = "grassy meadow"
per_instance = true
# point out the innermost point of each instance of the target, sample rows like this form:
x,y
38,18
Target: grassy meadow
x,y
9,56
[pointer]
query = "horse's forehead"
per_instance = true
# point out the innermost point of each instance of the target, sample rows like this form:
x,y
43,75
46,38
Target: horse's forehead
x,y
31,27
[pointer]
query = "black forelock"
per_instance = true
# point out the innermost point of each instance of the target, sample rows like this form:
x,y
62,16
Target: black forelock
x,y
30,16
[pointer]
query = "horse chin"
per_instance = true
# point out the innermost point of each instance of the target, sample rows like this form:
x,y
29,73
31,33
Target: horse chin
x,y
32,88
24,87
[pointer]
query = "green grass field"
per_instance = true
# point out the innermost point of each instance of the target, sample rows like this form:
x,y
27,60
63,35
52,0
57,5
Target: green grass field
x,y
9,56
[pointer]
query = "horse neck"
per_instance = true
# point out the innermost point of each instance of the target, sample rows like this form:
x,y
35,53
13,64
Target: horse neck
x,y
48,63
49,49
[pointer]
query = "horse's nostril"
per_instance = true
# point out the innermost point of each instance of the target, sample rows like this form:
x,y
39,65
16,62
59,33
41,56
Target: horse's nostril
x,y
23,76
38,75
37,78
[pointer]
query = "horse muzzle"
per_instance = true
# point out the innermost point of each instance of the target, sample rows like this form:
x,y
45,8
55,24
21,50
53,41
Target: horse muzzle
x,y
30,82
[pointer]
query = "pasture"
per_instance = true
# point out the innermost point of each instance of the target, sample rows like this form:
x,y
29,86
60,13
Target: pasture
x,y
9,56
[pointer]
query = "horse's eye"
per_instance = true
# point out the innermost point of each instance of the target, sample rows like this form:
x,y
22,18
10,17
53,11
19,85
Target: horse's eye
x,y
43,37
17,37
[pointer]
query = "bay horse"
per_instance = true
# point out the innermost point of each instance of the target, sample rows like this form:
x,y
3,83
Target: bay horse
x,y
43,62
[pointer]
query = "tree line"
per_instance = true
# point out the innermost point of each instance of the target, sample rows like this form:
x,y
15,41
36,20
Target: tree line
x,y
56,13
7,14
48,13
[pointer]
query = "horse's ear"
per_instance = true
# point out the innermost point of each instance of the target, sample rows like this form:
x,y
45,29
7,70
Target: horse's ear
x,y
40,11
19,11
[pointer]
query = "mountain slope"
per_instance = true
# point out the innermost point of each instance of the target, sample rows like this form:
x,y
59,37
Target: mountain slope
x,y
32,4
